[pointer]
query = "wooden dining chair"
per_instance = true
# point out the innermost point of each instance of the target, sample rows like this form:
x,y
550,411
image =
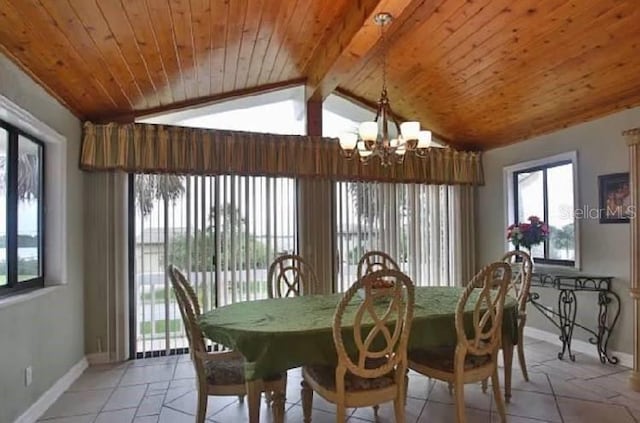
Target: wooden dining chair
x,y
474,358
218,373
521,273
368,263
187,288
290,276
376,372
375,260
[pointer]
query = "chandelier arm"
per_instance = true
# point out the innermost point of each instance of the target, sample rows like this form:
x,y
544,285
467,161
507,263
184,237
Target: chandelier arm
x,y
390,157
378,109
384,160
370,145
392,116
349,154
385,124
366,159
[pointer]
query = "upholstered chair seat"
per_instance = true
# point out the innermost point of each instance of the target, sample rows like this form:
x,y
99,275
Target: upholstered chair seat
x,y
443,358
326,377
227,372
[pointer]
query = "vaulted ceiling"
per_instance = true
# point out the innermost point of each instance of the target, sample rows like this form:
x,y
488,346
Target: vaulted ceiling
x,y
480,73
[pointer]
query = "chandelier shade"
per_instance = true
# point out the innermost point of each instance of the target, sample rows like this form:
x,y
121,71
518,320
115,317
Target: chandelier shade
x,y
373,138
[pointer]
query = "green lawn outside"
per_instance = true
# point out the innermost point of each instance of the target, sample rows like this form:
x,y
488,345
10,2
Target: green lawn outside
x,y
160,292
174,326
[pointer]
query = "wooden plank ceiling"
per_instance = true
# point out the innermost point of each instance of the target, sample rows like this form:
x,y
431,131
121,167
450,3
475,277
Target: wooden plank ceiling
x,y
479,73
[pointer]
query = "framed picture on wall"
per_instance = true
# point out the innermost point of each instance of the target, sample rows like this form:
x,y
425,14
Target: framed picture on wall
x,y
615,198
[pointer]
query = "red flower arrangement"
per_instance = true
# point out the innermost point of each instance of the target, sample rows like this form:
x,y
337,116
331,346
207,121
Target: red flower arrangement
x,y
528,234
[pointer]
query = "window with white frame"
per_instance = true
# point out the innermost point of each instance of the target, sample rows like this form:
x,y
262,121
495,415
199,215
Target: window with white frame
x,y
34,170
547,189
21,210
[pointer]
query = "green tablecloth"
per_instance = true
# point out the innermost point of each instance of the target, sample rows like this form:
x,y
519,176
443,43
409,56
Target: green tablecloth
x,y
279,334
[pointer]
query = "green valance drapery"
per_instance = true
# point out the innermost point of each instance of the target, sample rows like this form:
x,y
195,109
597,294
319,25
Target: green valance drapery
x,y
146,148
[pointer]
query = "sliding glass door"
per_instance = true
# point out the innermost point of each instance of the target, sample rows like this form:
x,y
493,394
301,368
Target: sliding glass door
x,y
222,231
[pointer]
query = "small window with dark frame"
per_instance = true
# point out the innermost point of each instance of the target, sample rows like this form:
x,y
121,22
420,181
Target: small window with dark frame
x,y
21,210
547,191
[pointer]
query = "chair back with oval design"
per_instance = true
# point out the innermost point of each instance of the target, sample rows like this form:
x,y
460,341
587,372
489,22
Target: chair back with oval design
x,y
487,291
290,276
381,326
375,260
197,345
521,273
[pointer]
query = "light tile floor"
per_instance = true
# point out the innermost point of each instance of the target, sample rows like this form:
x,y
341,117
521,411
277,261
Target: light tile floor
x,y
162,390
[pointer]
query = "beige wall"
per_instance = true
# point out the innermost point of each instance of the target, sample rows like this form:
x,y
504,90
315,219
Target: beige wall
x,y
604,247
45,332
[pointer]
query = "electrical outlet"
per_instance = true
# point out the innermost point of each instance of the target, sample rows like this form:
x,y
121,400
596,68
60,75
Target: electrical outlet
x,y
28,376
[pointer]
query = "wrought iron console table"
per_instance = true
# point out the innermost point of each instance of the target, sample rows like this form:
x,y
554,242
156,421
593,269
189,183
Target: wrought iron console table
x,y
568,283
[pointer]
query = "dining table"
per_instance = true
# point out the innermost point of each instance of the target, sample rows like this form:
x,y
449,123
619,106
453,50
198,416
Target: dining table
x,y
275,335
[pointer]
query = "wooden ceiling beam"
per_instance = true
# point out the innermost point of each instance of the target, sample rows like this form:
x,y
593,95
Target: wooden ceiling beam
x,y
351,40
324,68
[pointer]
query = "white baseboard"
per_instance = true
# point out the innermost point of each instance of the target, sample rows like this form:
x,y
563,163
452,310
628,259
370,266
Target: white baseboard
x,y
98,358
576,345
47,399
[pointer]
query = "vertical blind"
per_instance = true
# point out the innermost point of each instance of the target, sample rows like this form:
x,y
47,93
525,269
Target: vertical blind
x,y
222,231
415,224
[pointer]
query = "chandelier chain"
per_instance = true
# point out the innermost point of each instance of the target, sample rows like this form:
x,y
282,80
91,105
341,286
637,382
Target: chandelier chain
x,y
383,40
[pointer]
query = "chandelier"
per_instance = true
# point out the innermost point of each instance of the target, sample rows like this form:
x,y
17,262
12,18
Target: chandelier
x,y
374,138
